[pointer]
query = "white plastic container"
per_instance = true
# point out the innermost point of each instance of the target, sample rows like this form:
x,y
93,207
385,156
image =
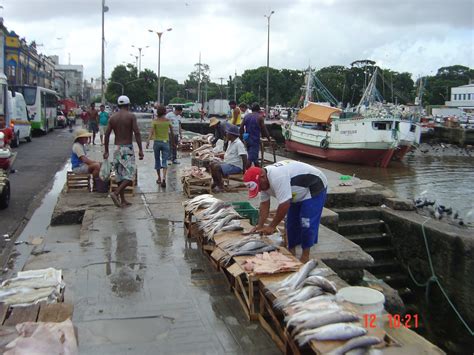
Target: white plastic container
x,y
365,300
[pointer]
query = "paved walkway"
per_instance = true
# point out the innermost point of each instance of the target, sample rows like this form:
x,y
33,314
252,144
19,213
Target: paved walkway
x,y
138,286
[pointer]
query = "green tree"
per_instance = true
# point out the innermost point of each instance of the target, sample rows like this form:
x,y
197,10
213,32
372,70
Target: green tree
x,y
178,100
248,98
437,89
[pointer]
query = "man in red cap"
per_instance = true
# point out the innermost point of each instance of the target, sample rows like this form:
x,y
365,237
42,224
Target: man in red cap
x,y
301,192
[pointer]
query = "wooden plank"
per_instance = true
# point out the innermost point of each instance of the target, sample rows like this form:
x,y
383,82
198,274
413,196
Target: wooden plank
x,y
22,314
270,332
56,312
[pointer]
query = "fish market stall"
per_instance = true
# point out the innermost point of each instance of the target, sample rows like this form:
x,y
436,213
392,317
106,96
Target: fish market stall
x,y
199,141
196,181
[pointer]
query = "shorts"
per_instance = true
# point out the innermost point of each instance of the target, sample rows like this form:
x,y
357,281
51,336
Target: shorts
x,y
93,127
124,162
302,221
229,169
81,169
252,152
102,130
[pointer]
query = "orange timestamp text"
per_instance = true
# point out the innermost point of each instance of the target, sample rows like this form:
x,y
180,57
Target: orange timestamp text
x,y
394,320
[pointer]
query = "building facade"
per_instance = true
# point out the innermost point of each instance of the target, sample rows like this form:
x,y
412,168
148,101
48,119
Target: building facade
x,y
71,78
462,97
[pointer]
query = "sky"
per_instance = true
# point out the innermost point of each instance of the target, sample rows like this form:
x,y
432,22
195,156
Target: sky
x,y
415,36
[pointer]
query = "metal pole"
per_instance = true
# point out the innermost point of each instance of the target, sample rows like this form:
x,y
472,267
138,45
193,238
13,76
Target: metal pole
x,y
235,87
140,62
199,80
268,61
159,58
102,99
164,91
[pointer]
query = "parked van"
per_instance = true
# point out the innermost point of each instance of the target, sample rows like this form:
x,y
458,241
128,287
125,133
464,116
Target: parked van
x,y
19,117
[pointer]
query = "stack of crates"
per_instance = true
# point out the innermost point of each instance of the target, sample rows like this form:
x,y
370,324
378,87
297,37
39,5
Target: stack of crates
x,y
246,210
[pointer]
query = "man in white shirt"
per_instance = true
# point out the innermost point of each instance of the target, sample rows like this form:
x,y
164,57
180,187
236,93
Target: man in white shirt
x,y
175,119
80,163
301,192
235,159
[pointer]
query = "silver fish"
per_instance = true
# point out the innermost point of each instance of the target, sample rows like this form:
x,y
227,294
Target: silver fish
x,y
314,302
325,319
306,314
215,207
298,296
359,342
233,226
295,279
337,331
322,282
223,222
321,271
303,273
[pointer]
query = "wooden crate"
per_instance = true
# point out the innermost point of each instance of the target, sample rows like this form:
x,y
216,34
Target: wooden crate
x,y
42,312
200,163
194,186
78,182
130,190
239,178
185,146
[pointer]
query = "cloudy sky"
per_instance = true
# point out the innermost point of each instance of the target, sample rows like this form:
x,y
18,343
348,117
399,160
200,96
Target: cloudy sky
x,y
418,36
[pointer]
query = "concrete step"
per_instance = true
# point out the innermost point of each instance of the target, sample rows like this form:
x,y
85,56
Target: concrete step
x,y
357,213
351,227
384,266
394,279
380,252
370,239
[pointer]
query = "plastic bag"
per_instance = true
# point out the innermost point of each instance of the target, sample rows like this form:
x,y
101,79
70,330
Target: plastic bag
x,y
104,173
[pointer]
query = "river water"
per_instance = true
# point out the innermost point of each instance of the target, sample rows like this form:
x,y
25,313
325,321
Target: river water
x,y
447,177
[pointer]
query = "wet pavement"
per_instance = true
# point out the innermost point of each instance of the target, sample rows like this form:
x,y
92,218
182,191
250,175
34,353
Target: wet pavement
x,y
138,287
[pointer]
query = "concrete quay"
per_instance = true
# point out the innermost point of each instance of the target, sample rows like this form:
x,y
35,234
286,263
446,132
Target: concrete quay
x,y
138,285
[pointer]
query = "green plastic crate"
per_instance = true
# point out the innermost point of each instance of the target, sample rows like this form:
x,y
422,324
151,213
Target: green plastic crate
x,y
246,210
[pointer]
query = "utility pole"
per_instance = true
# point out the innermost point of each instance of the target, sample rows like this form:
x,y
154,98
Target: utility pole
x,y
221,79
199,80
235,86
102,82
268,62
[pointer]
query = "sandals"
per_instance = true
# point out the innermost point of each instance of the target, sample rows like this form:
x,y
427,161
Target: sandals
x,y
163,183
158,181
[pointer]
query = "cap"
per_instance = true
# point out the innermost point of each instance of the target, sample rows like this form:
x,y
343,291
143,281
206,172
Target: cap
x,y
213,121
123,100
81,133
233,130
252,180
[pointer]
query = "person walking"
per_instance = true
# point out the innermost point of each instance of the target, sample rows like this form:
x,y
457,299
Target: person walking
x,y
252,127
175,119
235,114
124,125
93,116
103,122
161,132
301,192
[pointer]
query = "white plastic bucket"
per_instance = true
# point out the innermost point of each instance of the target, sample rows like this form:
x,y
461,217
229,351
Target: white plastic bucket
x,y
366,301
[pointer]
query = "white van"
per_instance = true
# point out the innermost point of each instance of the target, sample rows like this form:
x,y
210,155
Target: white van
x,y
19,117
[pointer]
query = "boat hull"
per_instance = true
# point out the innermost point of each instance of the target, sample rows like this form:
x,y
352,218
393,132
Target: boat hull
x,y
372,157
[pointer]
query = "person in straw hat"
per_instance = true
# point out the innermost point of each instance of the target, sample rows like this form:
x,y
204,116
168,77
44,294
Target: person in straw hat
x,y
81,164
219,129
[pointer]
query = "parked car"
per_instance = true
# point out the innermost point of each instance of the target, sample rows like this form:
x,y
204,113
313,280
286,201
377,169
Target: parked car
x,y
19,120
61,119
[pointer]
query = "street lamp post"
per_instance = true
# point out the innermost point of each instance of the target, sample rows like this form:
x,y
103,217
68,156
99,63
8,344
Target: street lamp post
x,y
102,81
164,90
140,56
268,60
136,60
159,58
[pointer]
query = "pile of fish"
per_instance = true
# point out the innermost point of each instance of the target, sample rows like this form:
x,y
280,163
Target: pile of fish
x,y
31,287
213,215
270,263
204,138
205,152
194,171
250,245
313,313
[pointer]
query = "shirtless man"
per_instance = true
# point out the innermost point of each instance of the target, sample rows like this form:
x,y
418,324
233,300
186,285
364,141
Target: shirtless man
x,y
124,124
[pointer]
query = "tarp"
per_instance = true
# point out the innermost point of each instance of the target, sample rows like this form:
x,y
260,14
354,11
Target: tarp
x,y
316,113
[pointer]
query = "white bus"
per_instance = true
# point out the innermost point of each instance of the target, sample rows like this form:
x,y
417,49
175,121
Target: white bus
x,y
42,106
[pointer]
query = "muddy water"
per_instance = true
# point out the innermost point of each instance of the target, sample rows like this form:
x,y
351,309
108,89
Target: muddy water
x,y
448,179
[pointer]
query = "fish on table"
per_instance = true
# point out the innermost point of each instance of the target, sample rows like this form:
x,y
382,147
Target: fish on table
x,y
336,331
319,320
356,343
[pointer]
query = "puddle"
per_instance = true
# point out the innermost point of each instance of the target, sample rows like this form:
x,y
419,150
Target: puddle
x,y
40,220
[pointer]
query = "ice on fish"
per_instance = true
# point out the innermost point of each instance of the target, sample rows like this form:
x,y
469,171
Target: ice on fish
x,y
337,331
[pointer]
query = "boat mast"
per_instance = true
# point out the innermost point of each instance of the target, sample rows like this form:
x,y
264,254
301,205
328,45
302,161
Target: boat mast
x,y
309,87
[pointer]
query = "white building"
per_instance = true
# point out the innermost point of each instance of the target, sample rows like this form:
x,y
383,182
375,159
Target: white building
x,y
462,97
73,78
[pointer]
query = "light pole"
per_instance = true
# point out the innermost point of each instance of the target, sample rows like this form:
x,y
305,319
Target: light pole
x,y
136,60
164,90
140,56
102,81
268,60
159,58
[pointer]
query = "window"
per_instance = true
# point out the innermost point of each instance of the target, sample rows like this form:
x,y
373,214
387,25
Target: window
x,y
455,96
30,95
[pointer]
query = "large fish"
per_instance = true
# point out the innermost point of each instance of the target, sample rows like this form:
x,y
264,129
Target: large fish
x,y
355,343
298,296
337,331
215,207
314,302
325,319
322,282
294,279
306,314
